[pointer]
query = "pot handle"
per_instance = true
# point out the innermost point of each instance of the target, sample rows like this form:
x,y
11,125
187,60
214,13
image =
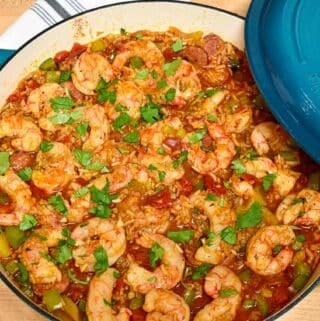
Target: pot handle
x,y
5,54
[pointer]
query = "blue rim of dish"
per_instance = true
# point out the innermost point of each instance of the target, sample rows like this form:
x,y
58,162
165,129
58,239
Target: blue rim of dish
x,y
3,276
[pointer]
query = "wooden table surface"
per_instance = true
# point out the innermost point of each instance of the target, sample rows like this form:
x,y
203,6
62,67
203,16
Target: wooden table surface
x,y
11,308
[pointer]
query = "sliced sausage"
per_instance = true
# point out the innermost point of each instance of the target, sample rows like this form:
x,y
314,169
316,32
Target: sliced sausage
x,y
74,92
212,44
20,160
196,54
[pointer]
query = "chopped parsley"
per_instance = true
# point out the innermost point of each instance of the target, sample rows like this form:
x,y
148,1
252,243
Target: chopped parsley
x,y
182,158
170,68
229,235
238,167
161,84
226,293
61,103
251,218
170,94
181,236
122,120
156,254
25,174
177,46
56,201
201,271
46,146
102,261
82,128
132,137
197,136
28,222
142,74
267,181
151,112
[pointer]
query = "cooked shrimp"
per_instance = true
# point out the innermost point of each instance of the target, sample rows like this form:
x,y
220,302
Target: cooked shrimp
x,y
218,279
54,169
210,104
164,305
131,97
167,275
301,208
26,134
100,294
260,166
161,164
261,245
145,49
219,217
87,71
186,83
241,187
38,102
20,193
268,136
285,181
33,255
97,232
220,158
99,127
239,121
154,135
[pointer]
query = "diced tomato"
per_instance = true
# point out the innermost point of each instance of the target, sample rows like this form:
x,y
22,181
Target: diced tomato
x,y
250,179
32,84
174,143
138,315
207,141
61,56
77,292
186,186
77,49
280,296
160,200
169,54
301,183
216,187
14,98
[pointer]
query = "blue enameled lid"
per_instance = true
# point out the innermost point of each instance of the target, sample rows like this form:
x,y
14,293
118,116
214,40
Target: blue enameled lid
x,y
283,48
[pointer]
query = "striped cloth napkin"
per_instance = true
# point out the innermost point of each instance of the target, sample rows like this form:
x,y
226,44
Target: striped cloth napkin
x,y
41,15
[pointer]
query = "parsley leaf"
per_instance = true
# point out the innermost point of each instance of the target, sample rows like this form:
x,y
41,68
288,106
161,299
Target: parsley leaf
x,y
162,176
64,253
212,118
170,94
251,155
81,192
177,46
181,236
64,118
25,174
238,166
151,113
156,253
4,162
132,137
122,120
83,157
46,146
105,95
267,181
161,84
229,235
201,271
102,261
208,92
28,222
211,197
182,158
197,135
171,67
57,203
82,128
211,237
61,103
251,218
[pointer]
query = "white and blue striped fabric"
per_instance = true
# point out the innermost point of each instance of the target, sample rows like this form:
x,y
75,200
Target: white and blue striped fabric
x,y
41,15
